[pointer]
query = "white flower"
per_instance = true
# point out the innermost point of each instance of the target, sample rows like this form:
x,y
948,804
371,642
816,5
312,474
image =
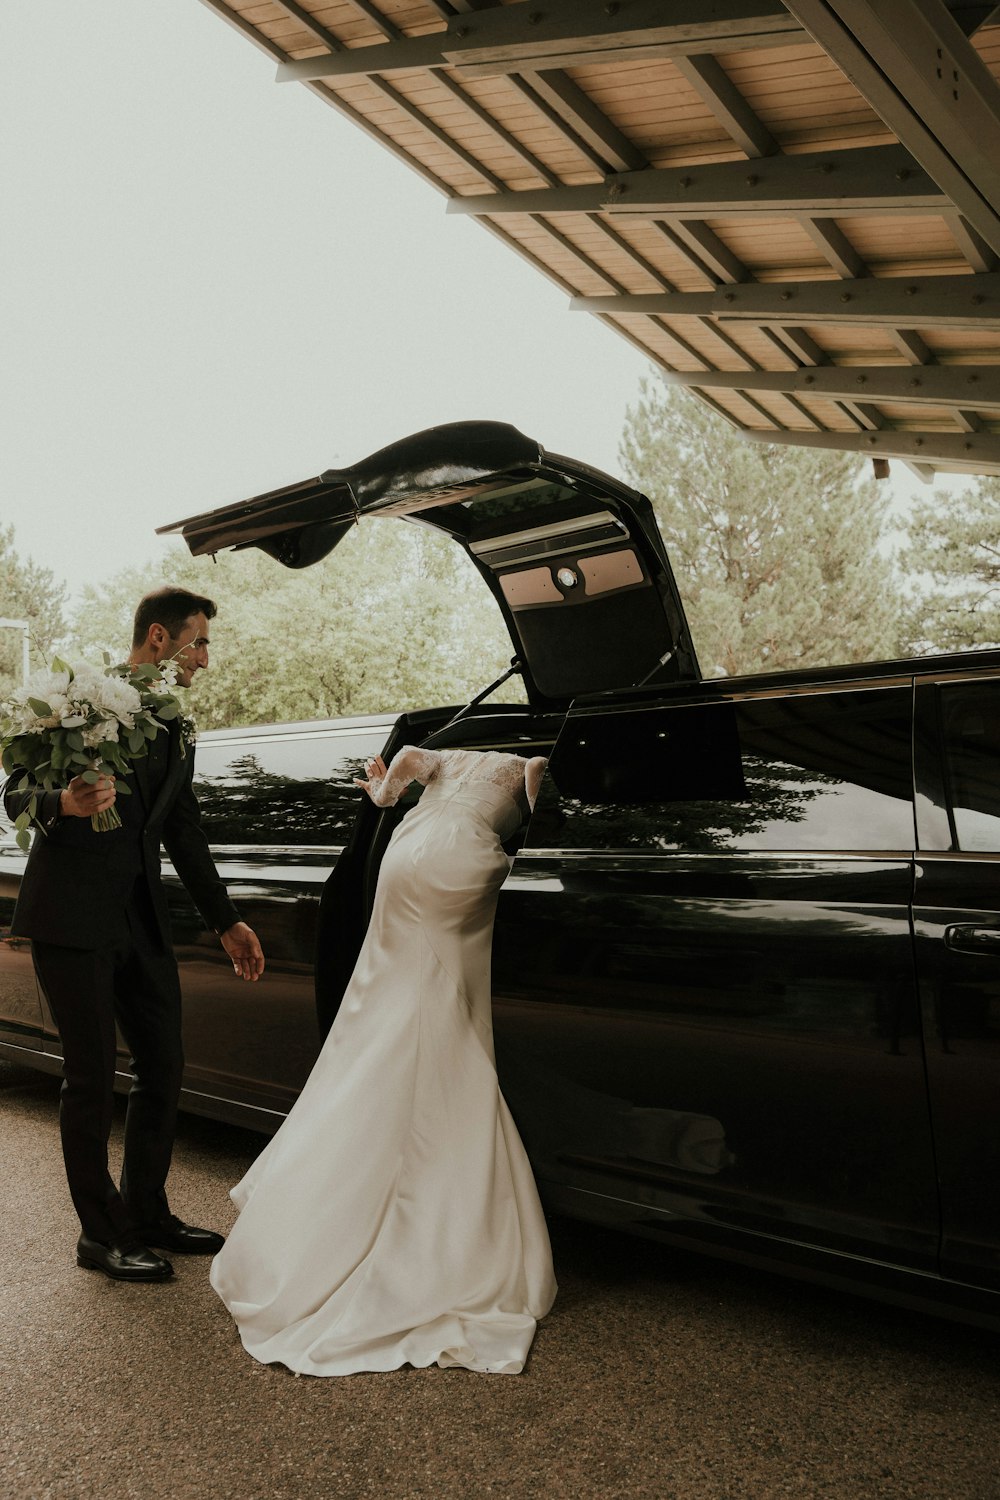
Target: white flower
x,y
118,699
43,683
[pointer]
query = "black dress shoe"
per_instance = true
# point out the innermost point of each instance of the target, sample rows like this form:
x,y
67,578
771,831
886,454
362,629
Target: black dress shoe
x,y
130,1262
173,1234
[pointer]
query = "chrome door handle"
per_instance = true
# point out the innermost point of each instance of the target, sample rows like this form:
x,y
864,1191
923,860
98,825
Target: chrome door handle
x,y
973,939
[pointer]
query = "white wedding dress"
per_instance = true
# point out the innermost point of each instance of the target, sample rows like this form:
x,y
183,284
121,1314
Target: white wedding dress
x,y
394,1218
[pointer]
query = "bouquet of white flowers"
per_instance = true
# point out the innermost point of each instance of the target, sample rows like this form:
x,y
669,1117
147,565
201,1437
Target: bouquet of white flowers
x,y
84,721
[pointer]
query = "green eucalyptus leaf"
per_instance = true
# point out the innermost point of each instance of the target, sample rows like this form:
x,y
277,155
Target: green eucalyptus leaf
x,y
169,709
39,707
91,777
23,838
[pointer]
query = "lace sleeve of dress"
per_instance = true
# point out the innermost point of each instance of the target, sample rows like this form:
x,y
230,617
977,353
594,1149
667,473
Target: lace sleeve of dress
x,y
410,764
533,773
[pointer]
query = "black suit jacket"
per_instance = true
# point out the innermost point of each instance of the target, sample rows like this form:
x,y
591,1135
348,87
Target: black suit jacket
x,y
77,881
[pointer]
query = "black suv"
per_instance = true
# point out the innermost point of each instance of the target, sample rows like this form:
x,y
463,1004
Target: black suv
x,y
747,961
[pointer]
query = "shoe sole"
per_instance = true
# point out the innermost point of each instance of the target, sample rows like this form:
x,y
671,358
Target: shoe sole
x,y
185,1249
94,1265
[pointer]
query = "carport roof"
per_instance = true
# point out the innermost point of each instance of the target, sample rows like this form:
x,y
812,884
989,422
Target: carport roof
x,y
792,208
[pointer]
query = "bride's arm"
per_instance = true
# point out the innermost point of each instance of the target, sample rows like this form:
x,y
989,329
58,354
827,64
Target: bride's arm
x,y
385,787
533,773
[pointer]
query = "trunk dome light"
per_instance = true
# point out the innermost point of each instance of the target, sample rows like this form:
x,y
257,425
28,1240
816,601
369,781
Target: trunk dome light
x,y
568,577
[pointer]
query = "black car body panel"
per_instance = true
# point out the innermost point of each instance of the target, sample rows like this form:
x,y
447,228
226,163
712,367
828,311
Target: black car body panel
x,y
747,960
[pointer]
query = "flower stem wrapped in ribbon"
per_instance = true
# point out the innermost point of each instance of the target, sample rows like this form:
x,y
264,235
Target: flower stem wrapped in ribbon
x,y
81,720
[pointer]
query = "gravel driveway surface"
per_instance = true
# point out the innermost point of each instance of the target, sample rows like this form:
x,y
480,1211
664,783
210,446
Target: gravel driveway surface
x,y
656,1375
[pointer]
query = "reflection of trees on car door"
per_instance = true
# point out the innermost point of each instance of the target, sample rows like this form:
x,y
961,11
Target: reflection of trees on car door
x,y
957,927
713,923
278,806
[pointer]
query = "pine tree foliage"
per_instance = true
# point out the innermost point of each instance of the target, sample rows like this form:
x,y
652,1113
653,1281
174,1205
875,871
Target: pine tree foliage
x,y
394,618
778,551
953,555
27,592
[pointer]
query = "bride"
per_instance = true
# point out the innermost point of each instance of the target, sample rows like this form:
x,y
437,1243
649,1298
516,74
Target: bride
x,y
394,1219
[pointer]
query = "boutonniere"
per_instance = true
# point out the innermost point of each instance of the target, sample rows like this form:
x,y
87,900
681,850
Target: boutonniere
x,y
164,680
188,730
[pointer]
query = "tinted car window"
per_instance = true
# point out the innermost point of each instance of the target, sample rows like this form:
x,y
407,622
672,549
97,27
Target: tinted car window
x,y
970,719
808,771
294,789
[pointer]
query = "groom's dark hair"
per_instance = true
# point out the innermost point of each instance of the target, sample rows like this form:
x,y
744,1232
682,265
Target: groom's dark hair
x,y
169,607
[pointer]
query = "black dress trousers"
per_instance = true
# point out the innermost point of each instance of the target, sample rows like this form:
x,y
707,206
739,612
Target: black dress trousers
x,y
132,981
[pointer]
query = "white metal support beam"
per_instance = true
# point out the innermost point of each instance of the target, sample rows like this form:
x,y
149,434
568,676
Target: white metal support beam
x,y
562,33
972,387
975,452
874,179
909,302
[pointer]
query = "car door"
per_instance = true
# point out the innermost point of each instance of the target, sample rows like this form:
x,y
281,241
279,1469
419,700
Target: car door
x,y
705,1001
957,927
277,804
20,1006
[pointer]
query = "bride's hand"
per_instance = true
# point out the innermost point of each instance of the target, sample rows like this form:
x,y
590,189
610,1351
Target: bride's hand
x,y
374,771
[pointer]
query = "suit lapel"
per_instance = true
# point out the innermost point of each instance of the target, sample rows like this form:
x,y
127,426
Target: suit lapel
x,y
175,770
141,773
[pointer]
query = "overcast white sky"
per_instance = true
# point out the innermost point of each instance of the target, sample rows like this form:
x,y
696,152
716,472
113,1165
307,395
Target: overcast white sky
x,y
213,284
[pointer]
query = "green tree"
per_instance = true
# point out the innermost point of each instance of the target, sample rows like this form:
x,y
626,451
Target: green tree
x,y
395,618
778,551
953,556
27,592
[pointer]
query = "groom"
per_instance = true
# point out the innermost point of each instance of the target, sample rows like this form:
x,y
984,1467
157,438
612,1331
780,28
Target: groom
x,y
94,907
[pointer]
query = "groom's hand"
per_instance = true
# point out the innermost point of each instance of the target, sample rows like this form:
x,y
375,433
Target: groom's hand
x,y
240,942
81,800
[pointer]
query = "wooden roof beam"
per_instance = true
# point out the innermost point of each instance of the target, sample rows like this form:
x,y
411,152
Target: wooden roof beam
x,y
976,251
715,88
836,248
910,345
912,301
309,23
912,62
703,249
972,388
873,179
566,105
